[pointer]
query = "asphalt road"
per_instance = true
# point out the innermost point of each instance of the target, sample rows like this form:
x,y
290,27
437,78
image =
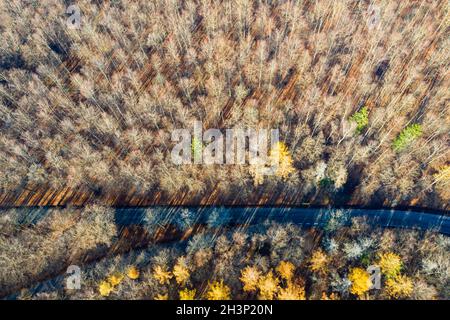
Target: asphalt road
x,y
300,216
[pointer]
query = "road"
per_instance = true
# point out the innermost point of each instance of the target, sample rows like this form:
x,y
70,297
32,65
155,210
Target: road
x,y
300,216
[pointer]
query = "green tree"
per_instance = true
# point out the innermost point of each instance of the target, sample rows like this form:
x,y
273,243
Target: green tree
x,y
407,136
361,118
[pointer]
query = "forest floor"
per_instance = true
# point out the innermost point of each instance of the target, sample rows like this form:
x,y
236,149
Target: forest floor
x,y
80,197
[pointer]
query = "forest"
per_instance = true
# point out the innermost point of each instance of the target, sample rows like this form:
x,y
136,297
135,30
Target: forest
x,y
91,93
358,90
154,259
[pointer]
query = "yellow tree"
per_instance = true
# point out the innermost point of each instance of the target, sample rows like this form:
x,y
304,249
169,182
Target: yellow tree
x,y
187,294
318,262
105,288
180,271
361,283
115,279
443,174
163,276
280,156
133,273
250,276
218,291
292,292
268,286
399,287
286,270
390,264
160,296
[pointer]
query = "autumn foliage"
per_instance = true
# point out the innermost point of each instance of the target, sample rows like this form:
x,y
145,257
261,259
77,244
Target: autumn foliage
x,y
361,102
